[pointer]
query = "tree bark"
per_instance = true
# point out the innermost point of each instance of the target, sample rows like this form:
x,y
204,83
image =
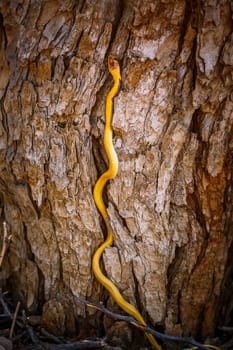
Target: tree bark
x,y
170,205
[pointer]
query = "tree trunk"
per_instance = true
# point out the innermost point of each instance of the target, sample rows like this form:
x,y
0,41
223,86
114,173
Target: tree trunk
x,y
170,205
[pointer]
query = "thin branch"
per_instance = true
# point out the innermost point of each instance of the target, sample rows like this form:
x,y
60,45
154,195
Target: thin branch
x,y
51,337
143,328
4,306
8,313
14,319
32,335
226,329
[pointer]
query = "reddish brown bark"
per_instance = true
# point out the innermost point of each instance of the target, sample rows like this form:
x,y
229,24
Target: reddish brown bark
x,y
171,203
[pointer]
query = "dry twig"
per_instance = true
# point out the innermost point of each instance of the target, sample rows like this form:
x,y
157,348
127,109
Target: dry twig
x,y
14,320
143,328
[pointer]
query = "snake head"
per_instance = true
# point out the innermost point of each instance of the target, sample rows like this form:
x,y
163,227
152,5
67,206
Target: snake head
x,y
114,67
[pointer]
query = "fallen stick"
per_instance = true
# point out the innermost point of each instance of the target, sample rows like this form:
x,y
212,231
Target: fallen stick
x,y
143,328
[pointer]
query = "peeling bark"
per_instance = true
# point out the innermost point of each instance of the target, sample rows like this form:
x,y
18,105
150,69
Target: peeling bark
x,y
171,203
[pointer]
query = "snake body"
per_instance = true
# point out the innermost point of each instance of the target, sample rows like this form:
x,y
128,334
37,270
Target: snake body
x,y
114,69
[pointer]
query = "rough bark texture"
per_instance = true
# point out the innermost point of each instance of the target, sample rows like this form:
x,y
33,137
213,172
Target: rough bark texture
x,y
171,203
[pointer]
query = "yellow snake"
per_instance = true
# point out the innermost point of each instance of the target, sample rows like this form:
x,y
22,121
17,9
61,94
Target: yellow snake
x,y
114,69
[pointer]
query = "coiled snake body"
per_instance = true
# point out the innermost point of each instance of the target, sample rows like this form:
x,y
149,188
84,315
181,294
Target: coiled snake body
x,y
110,174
